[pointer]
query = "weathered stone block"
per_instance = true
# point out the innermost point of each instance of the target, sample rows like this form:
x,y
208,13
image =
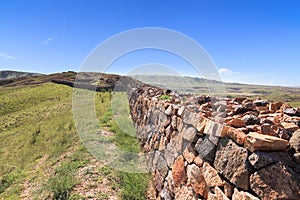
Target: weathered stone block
x,y
211,176
232,162
206,147
295,141
237,135
196,180
178,172
275,182
241,195
260,142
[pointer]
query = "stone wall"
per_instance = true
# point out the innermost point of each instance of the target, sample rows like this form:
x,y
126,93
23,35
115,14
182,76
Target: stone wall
x,y
203,148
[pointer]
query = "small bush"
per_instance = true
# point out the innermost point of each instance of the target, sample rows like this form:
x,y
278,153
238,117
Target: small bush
x,y
134,186
63,181
165,97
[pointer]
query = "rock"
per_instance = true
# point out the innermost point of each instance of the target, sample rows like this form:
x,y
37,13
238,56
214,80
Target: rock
x,y
249,106
241,195
165,194
178,172
206,147
185,193
228,189
196,180
211,176
251,120
180,124
158,181
232,162
180,111
292,112
167,122
170,154
261,159
169,181
275,106
189,117
198,161
189,134
275,182
260,102
266,129
297,158
295,141
178,143
237,123
237,135
260,142
161,165
174,122
218,195
189,154
213,128
291,127
169,110
239,110
201,125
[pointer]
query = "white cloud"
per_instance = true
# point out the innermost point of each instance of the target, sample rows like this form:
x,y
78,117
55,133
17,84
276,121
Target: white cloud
x,y
226,71
6,56
46,42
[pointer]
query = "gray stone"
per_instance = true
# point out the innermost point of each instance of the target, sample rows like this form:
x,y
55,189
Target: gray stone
x,y
170,154
189,134
206,147
295,141
260,102
261,159
191,118
159,163
232,162
292,112
251,120
165,194
275,182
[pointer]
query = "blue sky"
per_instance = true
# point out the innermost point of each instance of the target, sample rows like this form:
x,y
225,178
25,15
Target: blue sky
x,y
255,41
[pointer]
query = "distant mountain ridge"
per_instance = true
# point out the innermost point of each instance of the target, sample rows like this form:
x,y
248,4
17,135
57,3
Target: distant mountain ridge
x,y
14,74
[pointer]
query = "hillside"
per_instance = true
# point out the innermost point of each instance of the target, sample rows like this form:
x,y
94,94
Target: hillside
x,y
41,154
196,85
15,74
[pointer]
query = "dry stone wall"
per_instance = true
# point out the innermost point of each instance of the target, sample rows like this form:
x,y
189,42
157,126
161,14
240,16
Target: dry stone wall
x,y
218,149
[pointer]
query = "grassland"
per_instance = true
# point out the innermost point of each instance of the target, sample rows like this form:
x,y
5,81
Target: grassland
x,y
196,85
41,153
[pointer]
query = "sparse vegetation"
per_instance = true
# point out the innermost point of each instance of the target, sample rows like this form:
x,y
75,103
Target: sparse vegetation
x,y
165,97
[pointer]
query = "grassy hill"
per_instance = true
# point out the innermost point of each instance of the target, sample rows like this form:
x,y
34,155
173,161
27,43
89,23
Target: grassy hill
x,y
42,156
15,74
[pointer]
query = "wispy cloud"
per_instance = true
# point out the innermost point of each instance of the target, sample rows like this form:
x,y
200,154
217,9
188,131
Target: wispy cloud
x,y
6,56
226,71
54,35
47,41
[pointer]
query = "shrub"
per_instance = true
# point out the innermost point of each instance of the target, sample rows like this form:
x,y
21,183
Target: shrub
x,y
63,181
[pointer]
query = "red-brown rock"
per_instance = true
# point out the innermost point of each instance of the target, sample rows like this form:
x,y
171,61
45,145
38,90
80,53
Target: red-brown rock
x,y
178,172
260,142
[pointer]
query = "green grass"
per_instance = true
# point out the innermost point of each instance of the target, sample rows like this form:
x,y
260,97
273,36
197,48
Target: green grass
x,y
36,131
